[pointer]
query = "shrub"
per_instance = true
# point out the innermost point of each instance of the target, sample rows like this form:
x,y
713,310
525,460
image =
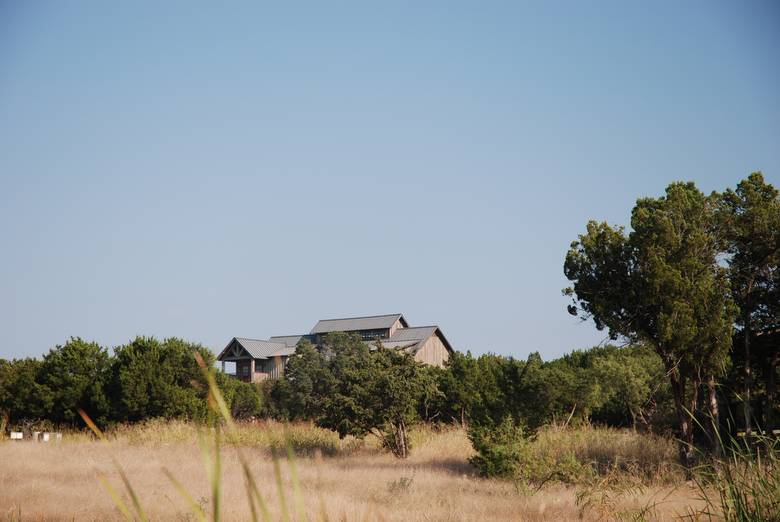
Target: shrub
x,y
501,449
507,451
246,402
571,455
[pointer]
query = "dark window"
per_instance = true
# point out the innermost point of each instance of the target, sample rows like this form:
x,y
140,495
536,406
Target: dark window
x,y
371,335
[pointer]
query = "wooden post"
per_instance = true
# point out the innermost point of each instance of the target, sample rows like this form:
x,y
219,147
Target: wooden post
x,y
223,366
252,370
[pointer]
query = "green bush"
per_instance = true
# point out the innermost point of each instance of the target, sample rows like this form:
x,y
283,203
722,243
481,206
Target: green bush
x,y
508,451
501,450
246,402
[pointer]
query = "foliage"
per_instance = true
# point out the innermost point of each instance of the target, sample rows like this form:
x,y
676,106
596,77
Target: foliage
x,y
246,402
74,376
750,224
616,386
307,381
144,379
155,379
632,381
501,449
21,394
662,285
571,454
356,390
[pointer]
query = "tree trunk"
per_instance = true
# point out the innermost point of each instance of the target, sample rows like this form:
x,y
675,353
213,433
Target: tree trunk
x,y
403,451
685,422
771,392
463,417
747,412
714,414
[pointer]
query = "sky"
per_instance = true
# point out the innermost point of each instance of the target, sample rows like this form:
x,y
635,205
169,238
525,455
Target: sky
x,y
216,169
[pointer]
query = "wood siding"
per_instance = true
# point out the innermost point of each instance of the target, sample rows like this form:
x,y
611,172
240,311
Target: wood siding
x,y
433,352
269,368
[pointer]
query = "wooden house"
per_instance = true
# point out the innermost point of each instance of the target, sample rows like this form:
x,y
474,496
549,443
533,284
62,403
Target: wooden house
x,y
258,359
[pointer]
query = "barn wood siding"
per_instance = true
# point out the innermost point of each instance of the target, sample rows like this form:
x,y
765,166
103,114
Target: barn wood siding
x,y
433,352
269,369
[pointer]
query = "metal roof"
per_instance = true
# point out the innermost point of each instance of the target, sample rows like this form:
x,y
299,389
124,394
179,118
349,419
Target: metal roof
x,y
259,348
288,340
409,338
413,333
351,324
417,335
400,344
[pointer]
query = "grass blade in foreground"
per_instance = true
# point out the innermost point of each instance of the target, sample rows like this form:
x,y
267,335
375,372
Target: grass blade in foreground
x,y
136,502
194,507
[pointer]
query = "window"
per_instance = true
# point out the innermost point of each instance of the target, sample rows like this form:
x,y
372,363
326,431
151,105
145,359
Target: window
x,y
245,370
370,335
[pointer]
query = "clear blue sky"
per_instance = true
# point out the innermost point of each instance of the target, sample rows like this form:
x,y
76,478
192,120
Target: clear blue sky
x,y
206,171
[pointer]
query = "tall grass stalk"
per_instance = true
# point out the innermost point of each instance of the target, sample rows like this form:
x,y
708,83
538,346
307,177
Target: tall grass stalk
x,y
120,504
744,484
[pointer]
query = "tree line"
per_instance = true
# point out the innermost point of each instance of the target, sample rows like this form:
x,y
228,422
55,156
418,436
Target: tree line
x,y
692,292
347,385
143,379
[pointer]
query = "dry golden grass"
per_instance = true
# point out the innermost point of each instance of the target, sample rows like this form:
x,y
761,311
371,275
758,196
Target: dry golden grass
x,y
649,458
359,482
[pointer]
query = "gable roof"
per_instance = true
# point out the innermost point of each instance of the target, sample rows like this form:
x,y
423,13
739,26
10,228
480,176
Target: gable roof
x,y
418,333
257,348
351,324
414,337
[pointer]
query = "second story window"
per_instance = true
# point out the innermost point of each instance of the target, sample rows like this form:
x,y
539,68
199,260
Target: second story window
x,y
371,335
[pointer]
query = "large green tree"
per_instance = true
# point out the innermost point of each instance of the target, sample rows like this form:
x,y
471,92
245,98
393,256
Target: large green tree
x,y
21,395
308,381
661,285
750,217
152,379
355,389
75,376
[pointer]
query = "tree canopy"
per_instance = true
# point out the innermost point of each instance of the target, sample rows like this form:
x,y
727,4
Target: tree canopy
x,y
661,284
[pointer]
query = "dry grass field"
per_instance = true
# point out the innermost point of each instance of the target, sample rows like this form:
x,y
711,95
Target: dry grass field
x,y
338,480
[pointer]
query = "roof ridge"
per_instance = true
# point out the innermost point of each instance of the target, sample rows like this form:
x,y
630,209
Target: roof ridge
x,y
258,340
414,327
360,317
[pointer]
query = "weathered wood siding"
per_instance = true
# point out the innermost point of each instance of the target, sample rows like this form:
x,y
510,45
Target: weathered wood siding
x,y
433,352
269,369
